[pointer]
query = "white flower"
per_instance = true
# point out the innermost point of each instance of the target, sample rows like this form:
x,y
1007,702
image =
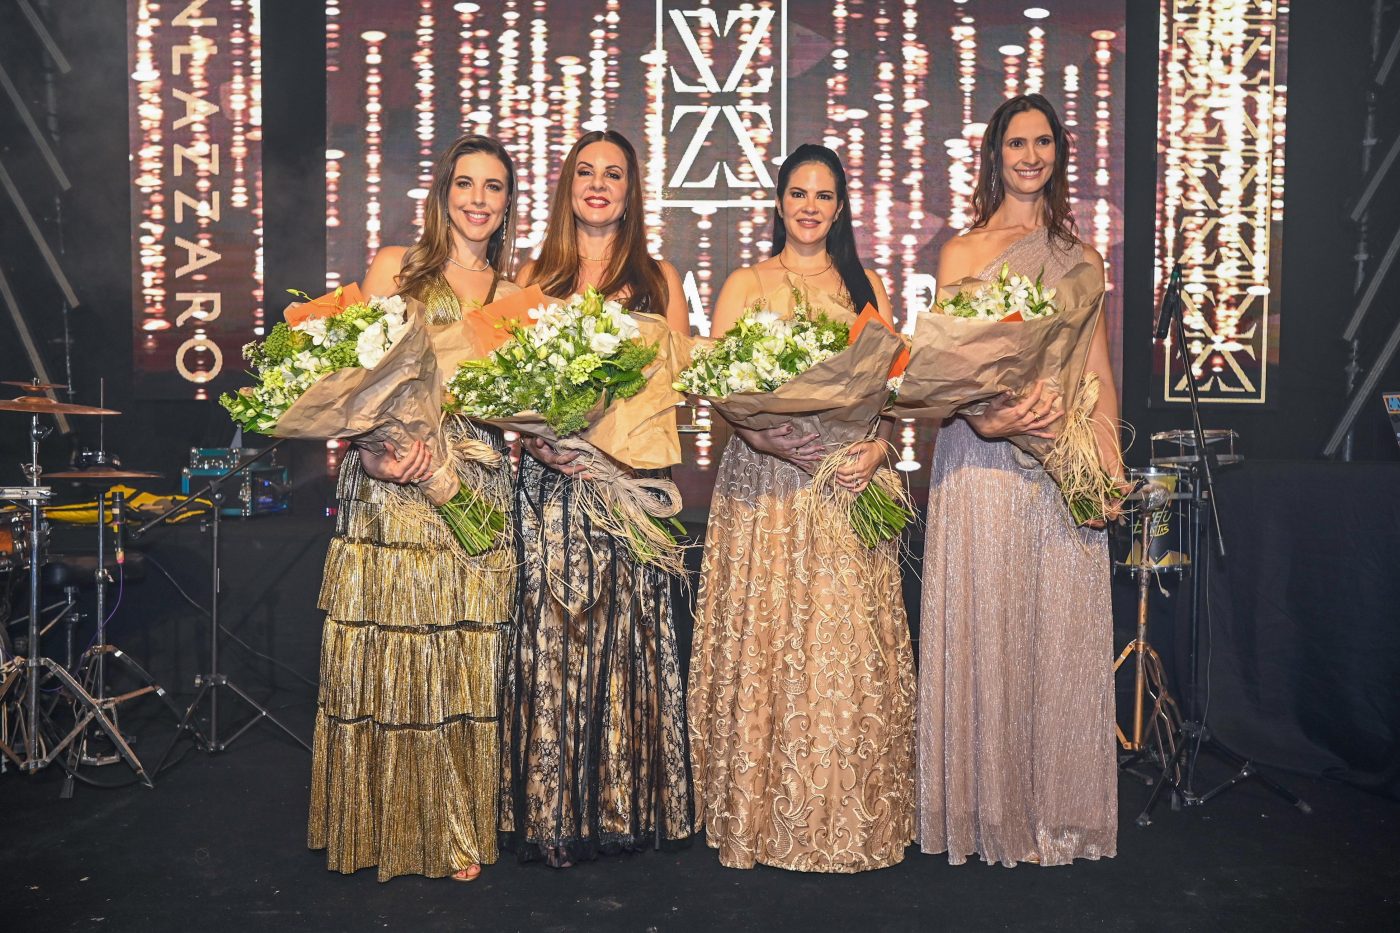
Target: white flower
x,y
315,327
604,344
557,361
766,318
371,345
393,304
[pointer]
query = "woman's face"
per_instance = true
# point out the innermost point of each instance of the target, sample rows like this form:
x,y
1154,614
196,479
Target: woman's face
x,y
478,195
809,203
1027,153
600,184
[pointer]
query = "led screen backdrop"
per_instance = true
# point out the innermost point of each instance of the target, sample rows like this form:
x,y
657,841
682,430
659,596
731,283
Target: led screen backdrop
x,y
713,95
1222,104
196,196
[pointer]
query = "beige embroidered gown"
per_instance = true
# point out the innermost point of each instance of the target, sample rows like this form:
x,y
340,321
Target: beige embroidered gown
x,y
801,707
404,761
1016,743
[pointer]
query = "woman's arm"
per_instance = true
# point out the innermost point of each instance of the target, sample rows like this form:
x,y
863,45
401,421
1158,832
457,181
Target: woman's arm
x,y
1106,412
677,314
381,278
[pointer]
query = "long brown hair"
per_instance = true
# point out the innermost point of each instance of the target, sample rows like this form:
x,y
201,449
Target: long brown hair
x,y
990,192
426,258
631,269
841,238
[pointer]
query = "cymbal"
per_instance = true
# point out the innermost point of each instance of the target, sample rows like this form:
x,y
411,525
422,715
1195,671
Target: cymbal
x,y
101,475
41,405
1221,459
33,386
1187,437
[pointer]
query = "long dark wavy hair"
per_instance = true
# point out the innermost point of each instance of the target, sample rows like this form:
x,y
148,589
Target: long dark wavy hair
x,y
841,238
631,270
427,257
1059,220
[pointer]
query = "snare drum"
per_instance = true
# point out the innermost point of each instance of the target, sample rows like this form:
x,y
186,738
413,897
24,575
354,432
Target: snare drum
x,y
14,541
1166,549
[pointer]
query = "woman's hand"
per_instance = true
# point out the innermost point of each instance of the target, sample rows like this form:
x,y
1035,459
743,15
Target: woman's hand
x,y
862,460
413,467
1033,415
803,451
561,460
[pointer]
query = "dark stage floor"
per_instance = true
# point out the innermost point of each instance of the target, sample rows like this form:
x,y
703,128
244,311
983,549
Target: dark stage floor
x,y
219,844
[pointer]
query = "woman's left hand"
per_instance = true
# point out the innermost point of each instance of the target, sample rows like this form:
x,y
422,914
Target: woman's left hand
x,y
862,460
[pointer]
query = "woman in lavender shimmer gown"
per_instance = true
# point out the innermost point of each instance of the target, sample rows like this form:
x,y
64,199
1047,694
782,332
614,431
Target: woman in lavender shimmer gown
x,y
1015,733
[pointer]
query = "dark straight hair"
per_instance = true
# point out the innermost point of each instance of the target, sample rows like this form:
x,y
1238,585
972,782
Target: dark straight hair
x,y
841,238
991,191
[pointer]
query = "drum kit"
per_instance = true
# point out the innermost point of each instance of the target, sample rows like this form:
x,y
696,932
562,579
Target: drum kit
x,y
52,712
1163,512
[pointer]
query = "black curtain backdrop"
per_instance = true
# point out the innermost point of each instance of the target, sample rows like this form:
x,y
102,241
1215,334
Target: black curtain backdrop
x,y
1301,665
1304,619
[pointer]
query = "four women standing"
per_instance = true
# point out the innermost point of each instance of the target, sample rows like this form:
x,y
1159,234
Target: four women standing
x,y
801,686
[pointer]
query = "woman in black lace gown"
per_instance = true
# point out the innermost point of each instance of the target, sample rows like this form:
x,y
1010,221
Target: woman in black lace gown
x,y
595,744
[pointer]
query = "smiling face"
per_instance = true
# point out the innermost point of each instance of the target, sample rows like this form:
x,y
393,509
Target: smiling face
x,y
600,184
1027,153
809,203
478,195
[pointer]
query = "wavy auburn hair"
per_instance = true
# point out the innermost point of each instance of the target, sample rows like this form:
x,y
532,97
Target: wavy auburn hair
x,y
991,191
631,269
426,258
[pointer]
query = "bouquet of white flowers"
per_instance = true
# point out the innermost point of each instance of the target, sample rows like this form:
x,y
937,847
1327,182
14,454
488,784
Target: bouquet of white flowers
x,y
587,375
985,339
1010,297
767,370
344,367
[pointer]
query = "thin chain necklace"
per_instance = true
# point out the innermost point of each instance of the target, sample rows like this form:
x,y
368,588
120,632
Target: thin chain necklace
x,y
805,275
482,268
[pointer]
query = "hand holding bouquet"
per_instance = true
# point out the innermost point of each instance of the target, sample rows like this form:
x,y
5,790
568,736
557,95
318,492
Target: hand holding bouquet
x,y
587,375
767,370
992,338
341,366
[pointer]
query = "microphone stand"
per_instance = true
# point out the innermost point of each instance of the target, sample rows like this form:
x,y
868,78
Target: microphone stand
x,y
210,683
1195,733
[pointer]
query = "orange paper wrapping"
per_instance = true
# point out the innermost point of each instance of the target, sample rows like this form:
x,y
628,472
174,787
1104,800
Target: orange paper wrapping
x,y
327,305
839,398
639,432
959,362
480,331
398,401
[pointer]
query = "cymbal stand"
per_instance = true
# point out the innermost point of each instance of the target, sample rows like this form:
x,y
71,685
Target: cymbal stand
x,y
209,684
93,665
36,758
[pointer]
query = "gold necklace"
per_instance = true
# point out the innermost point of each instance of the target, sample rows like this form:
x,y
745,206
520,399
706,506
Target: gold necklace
x,y
591,259
482,268
805,275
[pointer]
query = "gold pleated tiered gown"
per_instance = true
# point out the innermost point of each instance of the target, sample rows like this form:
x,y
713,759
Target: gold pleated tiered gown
x,y
405,758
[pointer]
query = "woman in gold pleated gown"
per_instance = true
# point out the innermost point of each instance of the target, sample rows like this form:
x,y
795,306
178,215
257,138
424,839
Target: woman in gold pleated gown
x,y
801,704
595,707
405,759
1016,743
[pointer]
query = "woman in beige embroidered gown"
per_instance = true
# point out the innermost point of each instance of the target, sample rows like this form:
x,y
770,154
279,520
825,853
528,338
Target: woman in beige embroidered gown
x,y
801,679
1016,744
404,762
595,713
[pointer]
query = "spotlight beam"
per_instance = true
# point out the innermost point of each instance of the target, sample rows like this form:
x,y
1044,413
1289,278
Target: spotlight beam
x,y
31,350
37,235
45,37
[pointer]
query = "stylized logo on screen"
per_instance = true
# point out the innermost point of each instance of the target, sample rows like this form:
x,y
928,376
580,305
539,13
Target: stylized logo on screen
x,y
723,120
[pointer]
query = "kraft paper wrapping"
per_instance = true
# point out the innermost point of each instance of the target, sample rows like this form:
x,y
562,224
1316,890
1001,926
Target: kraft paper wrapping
x,y
839,398
399,401
957,363
639,432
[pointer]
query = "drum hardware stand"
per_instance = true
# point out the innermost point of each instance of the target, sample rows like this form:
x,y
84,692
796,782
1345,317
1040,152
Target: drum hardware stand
x,y
92,668
1194,733
210,684
1148,675
35,664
